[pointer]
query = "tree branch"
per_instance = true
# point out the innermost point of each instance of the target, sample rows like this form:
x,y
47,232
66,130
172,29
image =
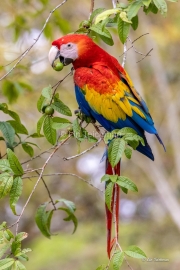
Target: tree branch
x,y
35,41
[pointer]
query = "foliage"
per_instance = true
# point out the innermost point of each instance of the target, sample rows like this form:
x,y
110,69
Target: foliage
x,y
16,136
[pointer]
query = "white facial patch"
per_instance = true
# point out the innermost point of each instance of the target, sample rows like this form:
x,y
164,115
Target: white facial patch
x,y
69,50
52,54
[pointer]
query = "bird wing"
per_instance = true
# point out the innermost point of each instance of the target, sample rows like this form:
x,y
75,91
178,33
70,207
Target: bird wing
x,y
111,99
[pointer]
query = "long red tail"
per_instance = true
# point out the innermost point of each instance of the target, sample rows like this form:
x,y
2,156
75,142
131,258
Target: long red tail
x,y
109,214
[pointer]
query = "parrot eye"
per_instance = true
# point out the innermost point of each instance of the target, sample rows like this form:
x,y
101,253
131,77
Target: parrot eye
x,y
69,45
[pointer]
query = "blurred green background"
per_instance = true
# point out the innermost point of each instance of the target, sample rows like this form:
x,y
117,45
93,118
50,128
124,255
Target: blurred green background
x,y
150,218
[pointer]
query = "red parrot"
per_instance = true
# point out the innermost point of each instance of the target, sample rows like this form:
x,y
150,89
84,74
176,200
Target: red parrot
x,y
104,92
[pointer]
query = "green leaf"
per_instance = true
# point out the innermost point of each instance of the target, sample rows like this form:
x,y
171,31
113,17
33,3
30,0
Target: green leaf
x,y
118,260
109,194
40,123
4,249
5,263
107,40
161,5
115,151
60,123
47,92
151,8
6,181
21,236
40,102
135,252
43,219
135,22
105,178
91,138
128,153
123,16
14,163
146,2
98,29
124,131
125,182
18,127
95,13
4,165
15,193
76,129
14,115
102,16
102,267
125,190
19,266
60,107
49,132
71,208
108,137
113,178
28,149
8,132
123,30
133,9
134,137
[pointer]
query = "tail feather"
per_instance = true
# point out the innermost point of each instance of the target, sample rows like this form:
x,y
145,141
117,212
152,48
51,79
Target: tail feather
x,y
109,214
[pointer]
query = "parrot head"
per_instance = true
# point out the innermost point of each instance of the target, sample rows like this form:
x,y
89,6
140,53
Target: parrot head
x,y
73,48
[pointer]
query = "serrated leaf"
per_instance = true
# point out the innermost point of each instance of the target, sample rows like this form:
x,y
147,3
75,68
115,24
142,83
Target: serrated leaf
x,y
135,252
109,194
8,132
106,14
49,132
40,123
6,182
19,266
135,22
28,149
18,127
123,30
105,178
4,165
15,193
43,219
125,182
161,5
95,13
4,249
60,107
40,102
118,260
133,9
115,151
128,153
60,123
5,263
47,92
14,162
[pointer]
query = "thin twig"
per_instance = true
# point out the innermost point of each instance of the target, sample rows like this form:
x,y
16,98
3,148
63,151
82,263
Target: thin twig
x,y
91,8
37,182
85,151
48,191
148,54
66,174
124,54
35,40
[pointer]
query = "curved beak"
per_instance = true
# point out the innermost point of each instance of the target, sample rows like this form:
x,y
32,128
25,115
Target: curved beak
x,y
55,54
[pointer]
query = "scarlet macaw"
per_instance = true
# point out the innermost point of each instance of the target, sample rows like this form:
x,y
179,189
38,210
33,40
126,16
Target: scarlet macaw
x,y
104,92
